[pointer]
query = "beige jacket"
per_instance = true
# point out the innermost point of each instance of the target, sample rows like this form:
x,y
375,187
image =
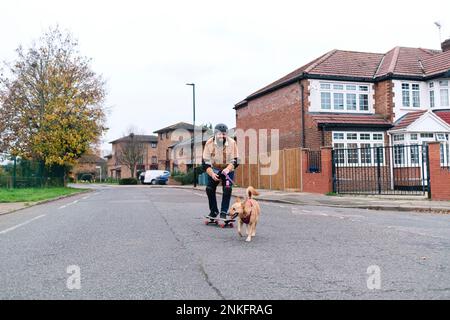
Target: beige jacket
x,y
220,157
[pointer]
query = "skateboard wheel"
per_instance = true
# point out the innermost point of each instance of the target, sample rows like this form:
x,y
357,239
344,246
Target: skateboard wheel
x,y
206,222
231,225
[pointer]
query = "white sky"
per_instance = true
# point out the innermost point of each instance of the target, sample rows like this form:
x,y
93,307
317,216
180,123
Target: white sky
x,y
148,50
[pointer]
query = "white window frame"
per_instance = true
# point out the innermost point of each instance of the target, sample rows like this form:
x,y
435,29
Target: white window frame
x,y
409,95
350,92
420,140
347,140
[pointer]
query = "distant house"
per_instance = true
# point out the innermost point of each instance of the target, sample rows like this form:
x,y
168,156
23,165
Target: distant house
x,y
149,161
169,137
89,164
181,151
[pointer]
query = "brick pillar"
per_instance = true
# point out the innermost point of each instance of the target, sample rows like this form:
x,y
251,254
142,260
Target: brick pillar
x,y
439,177
327,171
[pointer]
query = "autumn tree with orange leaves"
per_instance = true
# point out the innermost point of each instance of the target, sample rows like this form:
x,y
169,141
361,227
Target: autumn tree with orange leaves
x,y
51,102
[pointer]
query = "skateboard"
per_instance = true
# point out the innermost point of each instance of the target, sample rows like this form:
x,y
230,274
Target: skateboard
x,y
219,222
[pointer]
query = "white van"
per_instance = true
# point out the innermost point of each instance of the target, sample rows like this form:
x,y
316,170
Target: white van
x,y
155,177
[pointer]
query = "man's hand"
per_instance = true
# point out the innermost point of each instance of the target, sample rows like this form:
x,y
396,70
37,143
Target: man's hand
x,y
213,175
225,171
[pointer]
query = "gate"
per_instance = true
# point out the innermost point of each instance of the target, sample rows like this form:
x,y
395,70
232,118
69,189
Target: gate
x,y
398,169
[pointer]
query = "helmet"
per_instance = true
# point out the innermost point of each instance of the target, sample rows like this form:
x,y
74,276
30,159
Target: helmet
x,y
221,128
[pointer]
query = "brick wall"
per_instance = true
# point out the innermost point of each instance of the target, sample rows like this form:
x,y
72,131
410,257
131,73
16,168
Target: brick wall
x,y
320,182
277,110
439,176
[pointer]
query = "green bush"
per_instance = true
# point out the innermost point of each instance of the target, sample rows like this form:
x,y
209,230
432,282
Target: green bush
x,y
186,178
128,181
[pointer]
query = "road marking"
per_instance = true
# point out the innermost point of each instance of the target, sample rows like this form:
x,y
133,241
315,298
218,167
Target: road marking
x,y
69,204
22,224
84,198
199,194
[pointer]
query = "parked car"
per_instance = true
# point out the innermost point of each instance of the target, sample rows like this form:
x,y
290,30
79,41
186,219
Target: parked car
x,y
154,177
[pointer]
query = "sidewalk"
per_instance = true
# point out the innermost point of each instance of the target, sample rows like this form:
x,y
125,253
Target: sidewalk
x,y
14,206
382,202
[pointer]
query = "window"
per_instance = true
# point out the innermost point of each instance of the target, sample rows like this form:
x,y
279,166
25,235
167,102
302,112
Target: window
x,y
338,101
363,102
341,96
443,83
358,147
363,88
405,94
338,136
378,153
416,95
442,149
413,136
399,154
427,135
325,100
399,137
414,151
352,136
444,98
352,153
351,101
153,145
432,104
366,156
441,137
154,160
377,136
431,85
339,153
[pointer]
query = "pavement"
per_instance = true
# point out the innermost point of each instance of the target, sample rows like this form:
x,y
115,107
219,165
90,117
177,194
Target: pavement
x,y
150,243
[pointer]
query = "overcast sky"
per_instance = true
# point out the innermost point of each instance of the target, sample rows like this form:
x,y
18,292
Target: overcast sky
x,y
148,50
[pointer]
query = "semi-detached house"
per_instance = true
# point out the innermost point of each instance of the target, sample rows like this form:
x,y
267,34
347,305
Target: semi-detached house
x,y
348,99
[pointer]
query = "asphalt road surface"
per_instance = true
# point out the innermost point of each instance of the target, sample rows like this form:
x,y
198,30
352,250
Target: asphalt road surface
x,y
151,243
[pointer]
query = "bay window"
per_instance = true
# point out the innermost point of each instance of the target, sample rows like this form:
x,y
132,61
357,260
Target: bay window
x,y
358,148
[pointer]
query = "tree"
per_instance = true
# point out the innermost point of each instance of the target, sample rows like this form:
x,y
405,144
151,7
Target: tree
x,y
130,152
51,102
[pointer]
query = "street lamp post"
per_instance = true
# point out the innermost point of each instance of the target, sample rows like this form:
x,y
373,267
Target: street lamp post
x,y
193,135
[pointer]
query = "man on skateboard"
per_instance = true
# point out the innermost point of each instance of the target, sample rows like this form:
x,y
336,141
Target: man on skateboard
x,y
220,159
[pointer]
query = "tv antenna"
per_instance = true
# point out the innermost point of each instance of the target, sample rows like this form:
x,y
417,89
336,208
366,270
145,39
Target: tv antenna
x,y
439,26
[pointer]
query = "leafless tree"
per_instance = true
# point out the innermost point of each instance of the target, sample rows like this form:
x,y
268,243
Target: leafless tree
x,y
130,152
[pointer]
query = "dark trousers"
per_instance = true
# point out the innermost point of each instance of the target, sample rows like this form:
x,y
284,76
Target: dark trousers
x,y
226,196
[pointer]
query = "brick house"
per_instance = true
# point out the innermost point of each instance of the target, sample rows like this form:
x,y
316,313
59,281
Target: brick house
x,y
89,164
149,161
168,137
180,152
349,99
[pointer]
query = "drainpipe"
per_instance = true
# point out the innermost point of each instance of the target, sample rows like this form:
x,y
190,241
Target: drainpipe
x,y
302,87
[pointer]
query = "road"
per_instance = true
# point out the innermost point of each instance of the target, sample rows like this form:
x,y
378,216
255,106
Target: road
x,y
150,243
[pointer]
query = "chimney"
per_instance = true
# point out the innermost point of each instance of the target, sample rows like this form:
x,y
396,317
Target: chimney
x,y
446,45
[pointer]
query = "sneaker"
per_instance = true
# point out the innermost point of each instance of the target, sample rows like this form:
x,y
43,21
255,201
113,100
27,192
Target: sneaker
x,y
213,215
223,216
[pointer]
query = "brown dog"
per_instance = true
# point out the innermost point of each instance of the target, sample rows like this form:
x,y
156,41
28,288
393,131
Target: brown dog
x,y
247,212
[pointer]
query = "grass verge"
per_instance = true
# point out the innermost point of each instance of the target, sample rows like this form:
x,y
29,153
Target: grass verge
x,y
34,194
